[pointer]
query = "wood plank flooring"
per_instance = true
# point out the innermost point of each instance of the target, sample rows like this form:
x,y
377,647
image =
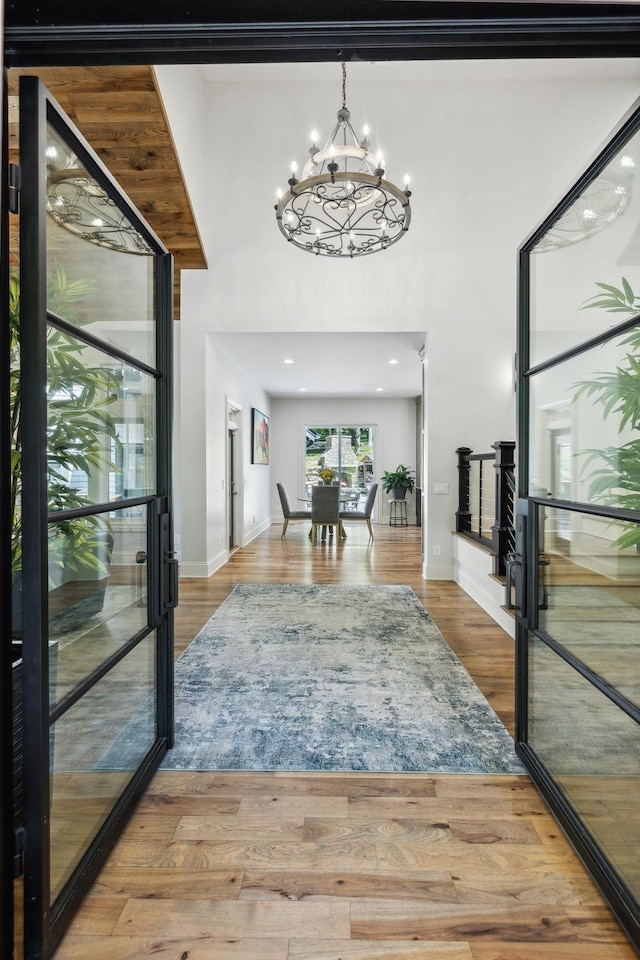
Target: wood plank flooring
x,y
326,866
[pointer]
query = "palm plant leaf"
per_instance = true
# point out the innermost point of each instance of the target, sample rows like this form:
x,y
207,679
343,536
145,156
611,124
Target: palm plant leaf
x,y
81,433
613,473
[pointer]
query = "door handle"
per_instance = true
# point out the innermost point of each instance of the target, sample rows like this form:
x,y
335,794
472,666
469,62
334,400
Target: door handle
x,y
171,561
513,586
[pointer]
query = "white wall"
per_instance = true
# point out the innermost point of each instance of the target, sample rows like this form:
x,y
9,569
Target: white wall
x,y
210,379
469,402
184,96
395,441
488,158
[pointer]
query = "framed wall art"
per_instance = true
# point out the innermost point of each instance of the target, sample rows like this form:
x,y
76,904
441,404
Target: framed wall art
x,y
259,437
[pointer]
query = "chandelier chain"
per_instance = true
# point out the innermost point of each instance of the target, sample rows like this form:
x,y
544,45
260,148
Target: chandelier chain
x,y
344,84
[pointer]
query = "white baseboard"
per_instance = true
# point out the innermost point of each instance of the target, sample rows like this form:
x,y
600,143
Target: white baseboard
x,y
254,532
432,571
204,570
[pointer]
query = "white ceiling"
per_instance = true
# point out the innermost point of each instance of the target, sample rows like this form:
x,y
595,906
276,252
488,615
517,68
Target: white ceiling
x,y
336,364
421,70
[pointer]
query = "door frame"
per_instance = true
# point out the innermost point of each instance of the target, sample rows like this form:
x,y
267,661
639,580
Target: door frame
x,y
7,836
530,592
372,31
46,921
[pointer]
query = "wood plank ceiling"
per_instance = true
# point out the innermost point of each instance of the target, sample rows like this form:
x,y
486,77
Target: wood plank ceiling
x,y
120,112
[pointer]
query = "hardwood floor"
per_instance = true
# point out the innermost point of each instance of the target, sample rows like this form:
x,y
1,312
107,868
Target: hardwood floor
x,y
322,866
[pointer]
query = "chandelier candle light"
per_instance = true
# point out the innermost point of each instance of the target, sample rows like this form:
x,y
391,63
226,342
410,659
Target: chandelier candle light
x,y
342,206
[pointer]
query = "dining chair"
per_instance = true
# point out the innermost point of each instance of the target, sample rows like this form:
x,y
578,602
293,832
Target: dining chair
x,y
325,511
363,514
287,512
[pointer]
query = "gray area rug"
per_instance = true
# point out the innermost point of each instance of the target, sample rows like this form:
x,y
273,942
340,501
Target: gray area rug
x,y
329,678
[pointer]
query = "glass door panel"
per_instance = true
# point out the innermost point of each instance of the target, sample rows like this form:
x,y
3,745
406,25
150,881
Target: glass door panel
x,y
592,597
100,425
587,403
578,623
101,270
347,454
95,749
97,591
593,750
98,572
582,249
317,440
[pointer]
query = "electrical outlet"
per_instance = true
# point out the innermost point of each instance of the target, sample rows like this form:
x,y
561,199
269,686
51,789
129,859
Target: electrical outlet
x,y
219,541
436,550
253,519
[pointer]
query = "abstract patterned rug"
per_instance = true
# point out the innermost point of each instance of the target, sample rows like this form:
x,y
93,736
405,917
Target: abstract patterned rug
x,y
330,678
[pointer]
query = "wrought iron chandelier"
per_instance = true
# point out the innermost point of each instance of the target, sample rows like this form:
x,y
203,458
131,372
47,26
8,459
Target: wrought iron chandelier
x,y
342,206
79,204
599,205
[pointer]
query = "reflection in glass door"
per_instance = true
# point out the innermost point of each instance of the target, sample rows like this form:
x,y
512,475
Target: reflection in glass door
x,y
98,576
561,473
578,623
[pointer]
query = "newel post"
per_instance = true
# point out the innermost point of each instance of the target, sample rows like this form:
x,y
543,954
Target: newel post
x,y
502,530
463,514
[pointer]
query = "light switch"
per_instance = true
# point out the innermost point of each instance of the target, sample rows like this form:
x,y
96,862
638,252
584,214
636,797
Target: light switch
x,y
441,488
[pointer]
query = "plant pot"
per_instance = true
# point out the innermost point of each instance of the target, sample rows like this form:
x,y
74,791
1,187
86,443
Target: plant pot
x,y
398,493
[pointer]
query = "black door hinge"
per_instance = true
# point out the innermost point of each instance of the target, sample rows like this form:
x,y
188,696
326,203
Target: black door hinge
x,y
19,839
14,188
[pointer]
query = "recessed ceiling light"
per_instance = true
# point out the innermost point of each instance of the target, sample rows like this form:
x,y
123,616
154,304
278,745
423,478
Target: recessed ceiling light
x,y
302,389
627,161
288,360
393,361
379,389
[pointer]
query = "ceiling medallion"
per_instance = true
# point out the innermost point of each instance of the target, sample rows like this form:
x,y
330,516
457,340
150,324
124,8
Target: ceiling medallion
x,y
342,206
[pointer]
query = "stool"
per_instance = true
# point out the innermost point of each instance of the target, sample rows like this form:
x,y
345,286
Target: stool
x,y
398,513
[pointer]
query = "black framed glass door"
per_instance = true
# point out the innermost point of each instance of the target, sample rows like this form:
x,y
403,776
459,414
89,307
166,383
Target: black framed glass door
x,y
578,618
98,578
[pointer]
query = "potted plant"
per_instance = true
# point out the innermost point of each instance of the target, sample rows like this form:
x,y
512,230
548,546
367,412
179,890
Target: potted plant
x,y
614,477
78,427
326,476
398,481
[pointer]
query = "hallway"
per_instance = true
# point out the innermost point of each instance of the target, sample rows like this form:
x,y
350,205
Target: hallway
x,y
352,866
